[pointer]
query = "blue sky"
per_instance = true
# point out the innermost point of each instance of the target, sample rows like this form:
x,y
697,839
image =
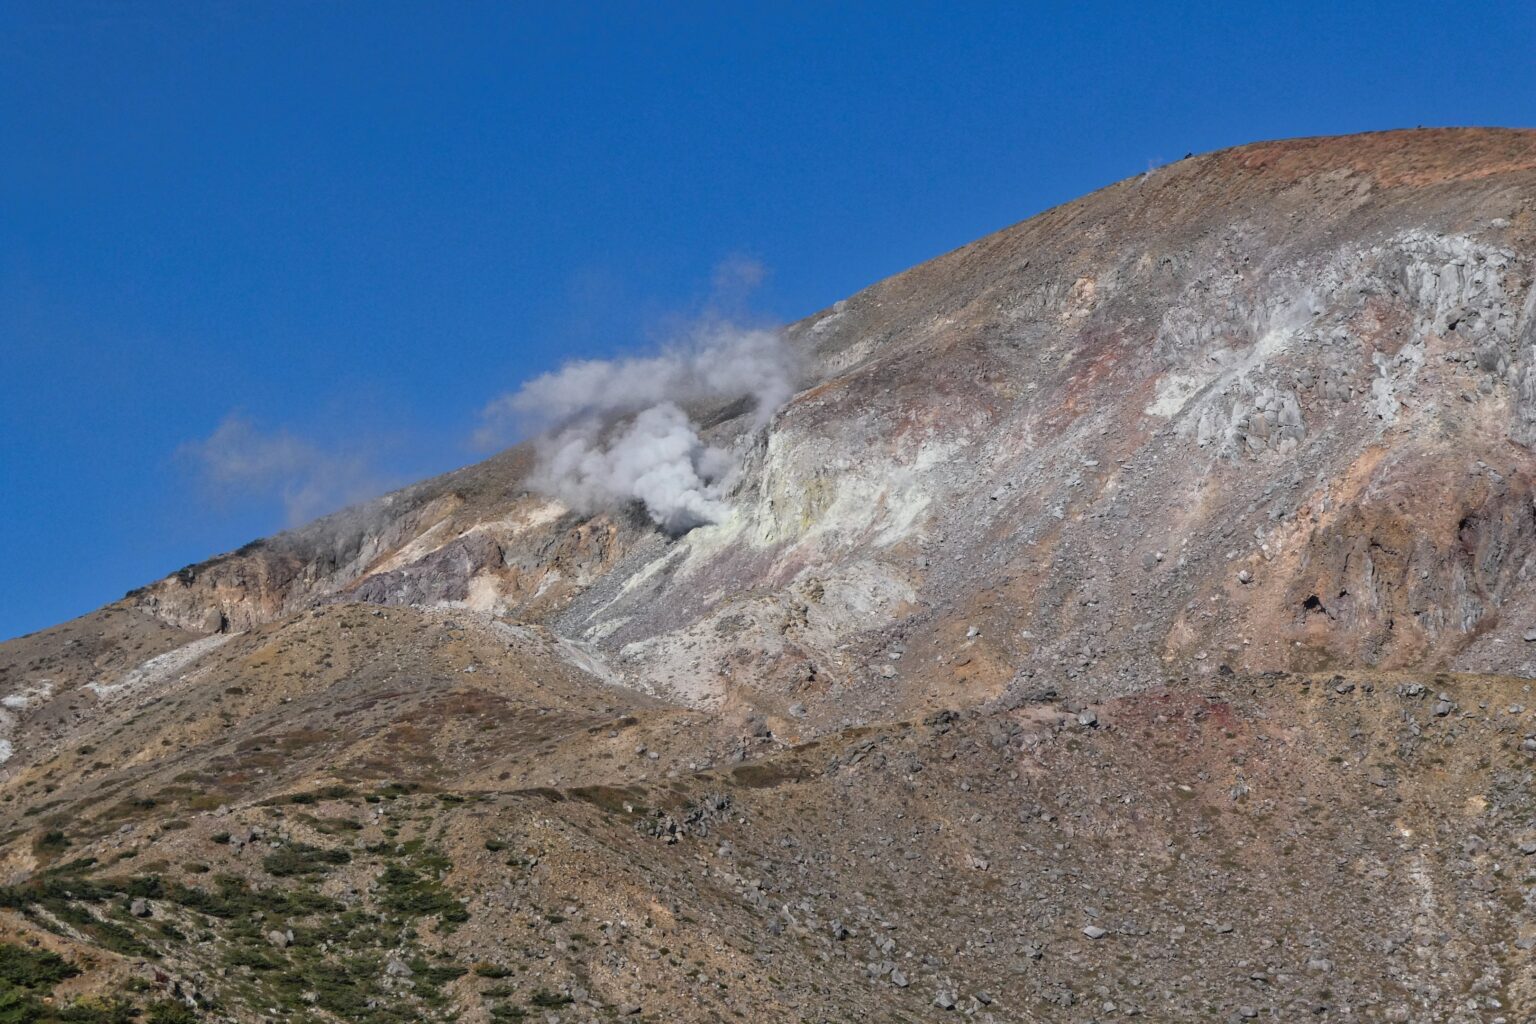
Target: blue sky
x,y
335,231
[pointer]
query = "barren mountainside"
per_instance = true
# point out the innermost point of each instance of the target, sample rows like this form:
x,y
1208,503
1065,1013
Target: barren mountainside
x,y
1129,614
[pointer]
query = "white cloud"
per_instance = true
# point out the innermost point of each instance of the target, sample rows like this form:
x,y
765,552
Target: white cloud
x,y
240,461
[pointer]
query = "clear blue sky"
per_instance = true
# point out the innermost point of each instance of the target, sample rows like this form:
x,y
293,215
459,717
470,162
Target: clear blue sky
x,y
350,225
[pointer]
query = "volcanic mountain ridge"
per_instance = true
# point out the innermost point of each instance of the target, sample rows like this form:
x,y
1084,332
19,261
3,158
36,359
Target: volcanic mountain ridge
x,y
1129,614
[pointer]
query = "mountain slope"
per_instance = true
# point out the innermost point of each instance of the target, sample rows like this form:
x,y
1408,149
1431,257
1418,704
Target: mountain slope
x,y
1116,561
1259,359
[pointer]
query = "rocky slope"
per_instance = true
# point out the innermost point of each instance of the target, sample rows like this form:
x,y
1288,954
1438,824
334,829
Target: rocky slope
x,y
1310,361
1127,615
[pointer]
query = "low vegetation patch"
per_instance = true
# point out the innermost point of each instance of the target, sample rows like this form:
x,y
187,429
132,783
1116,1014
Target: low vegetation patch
x,y
303,859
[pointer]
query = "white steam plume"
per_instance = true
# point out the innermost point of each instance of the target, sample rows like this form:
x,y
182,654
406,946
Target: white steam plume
x,y
657,457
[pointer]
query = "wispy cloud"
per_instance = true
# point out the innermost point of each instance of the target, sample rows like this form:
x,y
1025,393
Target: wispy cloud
x,y
241,461
735,278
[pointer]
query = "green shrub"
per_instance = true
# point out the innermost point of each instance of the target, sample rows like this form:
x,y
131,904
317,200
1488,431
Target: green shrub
x,y
314,796
92,1010
18,1006
171,1013
255,958
73,866
33,968
52,841
303,859
408,892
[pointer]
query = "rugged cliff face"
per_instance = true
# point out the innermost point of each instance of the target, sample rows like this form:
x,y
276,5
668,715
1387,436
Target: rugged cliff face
x,y
1270,408
1177,451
